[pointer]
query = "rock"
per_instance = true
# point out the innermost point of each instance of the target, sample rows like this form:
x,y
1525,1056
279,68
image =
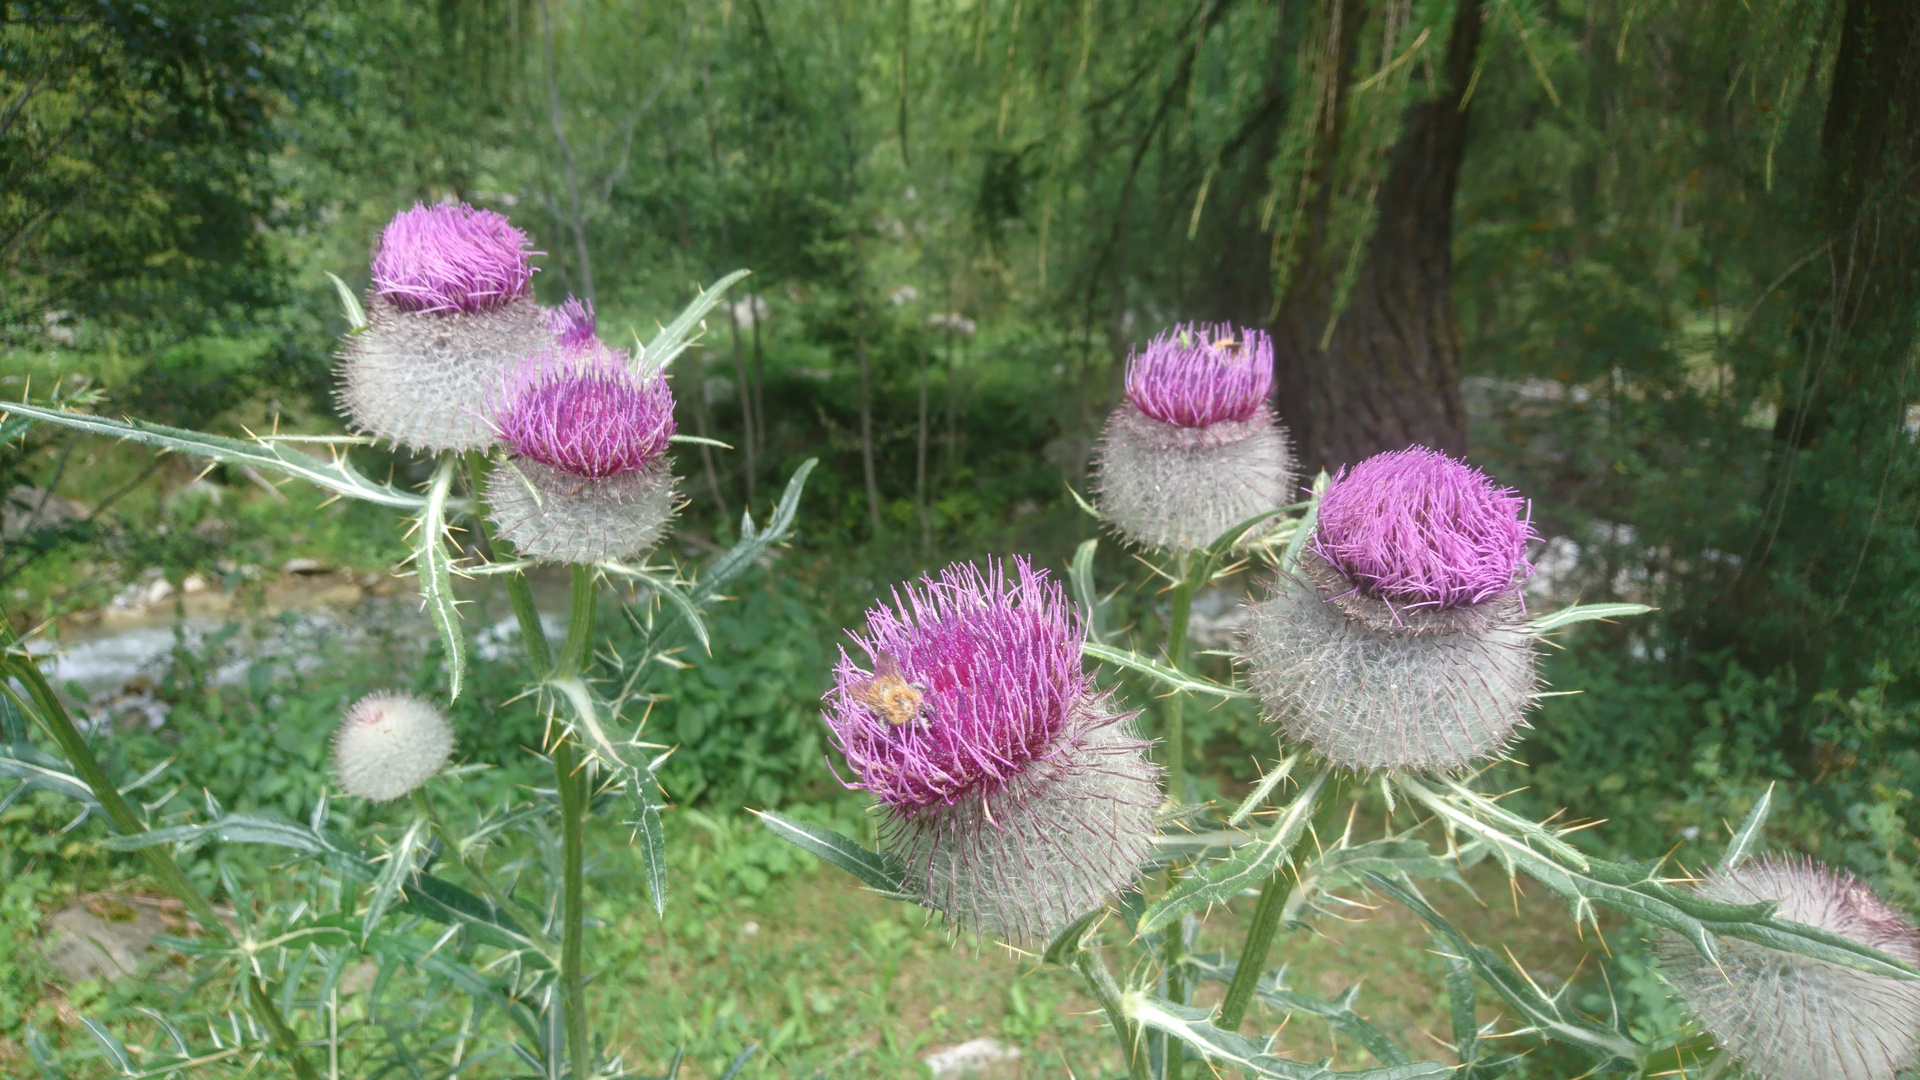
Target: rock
x,y
303,566
100,938
18,516
972,1057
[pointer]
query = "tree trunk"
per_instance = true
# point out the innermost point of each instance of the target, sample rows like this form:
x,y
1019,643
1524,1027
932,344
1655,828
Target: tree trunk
x,y
1388,374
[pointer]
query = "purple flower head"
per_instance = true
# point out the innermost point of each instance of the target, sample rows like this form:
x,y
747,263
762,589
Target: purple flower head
x,y
1415,527
1198,374
585,412
572,323
444,258
974,678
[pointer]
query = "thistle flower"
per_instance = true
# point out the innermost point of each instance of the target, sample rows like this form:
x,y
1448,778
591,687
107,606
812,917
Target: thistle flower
x,y
1401,642
572,324
1017,798
589,479
388,745
1194,450
450,309
1790,1017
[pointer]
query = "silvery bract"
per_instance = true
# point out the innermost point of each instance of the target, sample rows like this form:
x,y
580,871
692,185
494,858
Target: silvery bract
x,y
1789,1017
1401,642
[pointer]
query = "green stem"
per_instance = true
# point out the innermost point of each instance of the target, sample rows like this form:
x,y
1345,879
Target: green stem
x,y
159,861
532,634
1253,953
1177,659
579,649
570,779
1107,992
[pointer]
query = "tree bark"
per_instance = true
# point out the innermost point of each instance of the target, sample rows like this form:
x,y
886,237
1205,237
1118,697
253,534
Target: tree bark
x,y
1388,375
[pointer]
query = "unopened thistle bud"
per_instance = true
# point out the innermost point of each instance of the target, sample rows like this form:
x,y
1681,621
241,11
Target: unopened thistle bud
x,y
1401,643
388,745
1194,450
589,477
1017,797
1788,1017
450,309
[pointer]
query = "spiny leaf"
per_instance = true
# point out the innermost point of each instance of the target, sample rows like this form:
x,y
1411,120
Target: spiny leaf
x,y
876,870
1544,1013
1066,944
1338,1014
1747,836
1584,613
386,889
1255,1057
1178,680
671,341
1248,867
1341,867
338,475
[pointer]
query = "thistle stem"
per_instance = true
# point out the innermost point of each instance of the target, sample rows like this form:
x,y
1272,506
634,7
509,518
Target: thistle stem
x,y
1253,953
570,779
1177,659
1107,992
532,635
160,863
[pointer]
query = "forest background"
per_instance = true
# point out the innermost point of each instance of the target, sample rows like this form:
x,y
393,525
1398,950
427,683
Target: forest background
x,y
1655,264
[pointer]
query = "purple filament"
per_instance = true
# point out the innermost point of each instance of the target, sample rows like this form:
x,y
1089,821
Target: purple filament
x,y
585,412
572,323
447,258
998,666
1199,374
1416,527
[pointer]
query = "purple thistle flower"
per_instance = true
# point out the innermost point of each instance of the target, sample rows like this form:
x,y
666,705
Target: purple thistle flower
x,y
447,258
584,411
1789,1017
589,479
1194,450
572,323
1198,374
1415,527
1017,799
1401,643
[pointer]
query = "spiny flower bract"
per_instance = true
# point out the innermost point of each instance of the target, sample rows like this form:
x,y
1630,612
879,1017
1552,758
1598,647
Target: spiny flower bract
x,y
1414,527
589,478
1789,1017
448,258
1194,449
388,745
1017,798
1416,659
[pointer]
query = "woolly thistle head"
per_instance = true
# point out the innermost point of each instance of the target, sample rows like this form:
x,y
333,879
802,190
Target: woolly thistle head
x,y
1017,799
1790,1017
1161,485
572,323
388,745
1414,528
1199,374
583,410
447,258
1401,641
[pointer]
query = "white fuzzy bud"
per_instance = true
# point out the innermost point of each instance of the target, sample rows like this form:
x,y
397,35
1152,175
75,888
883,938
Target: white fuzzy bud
x,y
390,744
